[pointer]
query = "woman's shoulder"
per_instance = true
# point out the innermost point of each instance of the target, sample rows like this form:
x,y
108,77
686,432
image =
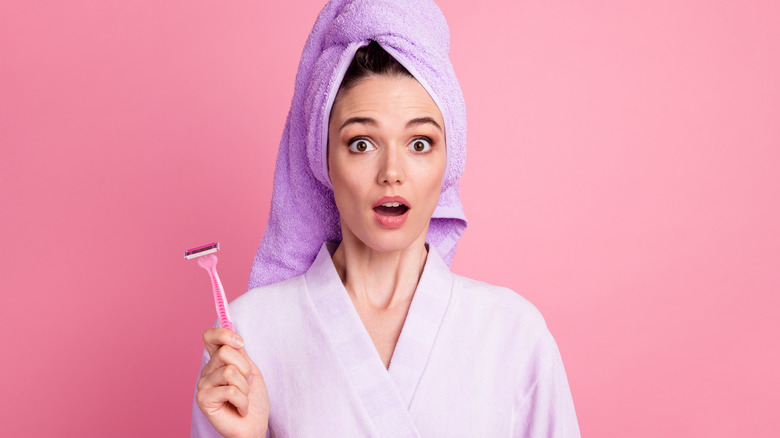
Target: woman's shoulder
x,y
274,297
500,304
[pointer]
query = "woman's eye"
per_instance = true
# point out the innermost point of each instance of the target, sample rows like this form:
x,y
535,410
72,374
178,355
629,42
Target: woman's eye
x,y
421,145
360,145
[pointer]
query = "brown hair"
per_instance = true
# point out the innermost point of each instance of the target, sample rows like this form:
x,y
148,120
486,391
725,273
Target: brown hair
x,y
371,60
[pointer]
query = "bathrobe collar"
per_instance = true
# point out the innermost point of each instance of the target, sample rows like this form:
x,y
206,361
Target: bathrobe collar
x,y
386,393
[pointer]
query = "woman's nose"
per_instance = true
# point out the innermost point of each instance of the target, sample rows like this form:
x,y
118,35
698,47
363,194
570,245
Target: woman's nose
x,y
391,169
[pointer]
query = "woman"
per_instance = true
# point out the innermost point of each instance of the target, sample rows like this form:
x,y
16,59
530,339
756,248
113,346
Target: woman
x,y
359,328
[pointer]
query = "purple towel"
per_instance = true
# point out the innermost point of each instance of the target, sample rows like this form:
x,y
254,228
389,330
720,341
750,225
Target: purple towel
x,y
303,210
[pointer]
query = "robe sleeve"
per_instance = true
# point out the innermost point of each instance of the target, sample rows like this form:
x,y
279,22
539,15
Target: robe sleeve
x,y
199,425
547,409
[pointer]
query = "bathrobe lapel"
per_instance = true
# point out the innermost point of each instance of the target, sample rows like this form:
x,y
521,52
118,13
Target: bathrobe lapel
x,y
421,326
386,394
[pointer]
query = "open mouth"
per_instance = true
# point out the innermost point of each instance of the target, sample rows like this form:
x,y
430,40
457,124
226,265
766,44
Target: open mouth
x,y
391,209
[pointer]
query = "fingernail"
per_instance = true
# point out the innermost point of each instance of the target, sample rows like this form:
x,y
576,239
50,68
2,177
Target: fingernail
x,y
250,379
237,342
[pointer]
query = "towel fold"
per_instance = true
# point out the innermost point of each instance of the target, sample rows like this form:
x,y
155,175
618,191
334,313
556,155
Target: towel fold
x,y
303,210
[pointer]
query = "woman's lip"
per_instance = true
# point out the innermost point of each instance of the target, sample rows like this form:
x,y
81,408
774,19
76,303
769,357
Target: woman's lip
x,y
391,221
386,199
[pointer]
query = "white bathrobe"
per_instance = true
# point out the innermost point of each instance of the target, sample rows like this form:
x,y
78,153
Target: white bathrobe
x,y
472,360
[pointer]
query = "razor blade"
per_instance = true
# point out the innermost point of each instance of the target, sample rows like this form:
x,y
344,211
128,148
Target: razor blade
x,y
201,250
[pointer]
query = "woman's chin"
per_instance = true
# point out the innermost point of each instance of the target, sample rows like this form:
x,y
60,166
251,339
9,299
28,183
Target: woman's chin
x,y
394,240
374,235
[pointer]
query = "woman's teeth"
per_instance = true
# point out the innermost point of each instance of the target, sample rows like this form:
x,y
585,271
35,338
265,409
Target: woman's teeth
x,y
391,209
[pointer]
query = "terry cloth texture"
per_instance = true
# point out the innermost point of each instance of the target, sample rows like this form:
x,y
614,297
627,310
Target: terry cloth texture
x,y
303,210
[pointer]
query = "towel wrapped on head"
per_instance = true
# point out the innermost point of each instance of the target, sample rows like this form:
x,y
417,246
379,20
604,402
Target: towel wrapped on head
x,y
303,210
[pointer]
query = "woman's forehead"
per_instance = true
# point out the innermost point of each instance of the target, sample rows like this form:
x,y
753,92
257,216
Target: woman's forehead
x,y
384,98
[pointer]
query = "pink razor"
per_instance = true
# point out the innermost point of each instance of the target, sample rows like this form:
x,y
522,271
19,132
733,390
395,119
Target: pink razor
x,y
208,261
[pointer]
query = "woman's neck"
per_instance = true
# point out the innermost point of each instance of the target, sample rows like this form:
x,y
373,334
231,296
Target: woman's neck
x,y
379,280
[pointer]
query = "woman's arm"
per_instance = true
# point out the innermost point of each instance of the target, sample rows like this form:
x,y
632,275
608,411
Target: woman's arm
x,y
548,409
231,398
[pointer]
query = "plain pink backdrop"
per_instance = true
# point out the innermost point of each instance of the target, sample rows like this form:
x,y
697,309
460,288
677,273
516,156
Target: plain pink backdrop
x,y
622,175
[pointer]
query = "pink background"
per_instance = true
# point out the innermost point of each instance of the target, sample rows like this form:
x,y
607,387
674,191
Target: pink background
x,y
622,175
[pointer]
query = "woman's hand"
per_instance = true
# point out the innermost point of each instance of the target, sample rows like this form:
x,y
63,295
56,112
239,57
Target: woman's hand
x,y
231,390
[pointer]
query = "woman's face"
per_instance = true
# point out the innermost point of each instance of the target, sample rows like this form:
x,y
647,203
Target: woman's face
x,y
386,161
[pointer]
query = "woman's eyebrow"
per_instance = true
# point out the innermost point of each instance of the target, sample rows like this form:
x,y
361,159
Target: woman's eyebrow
x,y
363,120
410,124
422,121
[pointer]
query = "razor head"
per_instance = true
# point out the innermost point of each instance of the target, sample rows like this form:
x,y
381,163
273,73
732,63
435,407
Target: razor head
x,y
201,250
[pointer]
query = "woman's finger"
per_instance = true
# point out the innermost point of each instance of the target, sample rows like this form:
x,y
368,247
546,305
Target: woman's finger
x,y
228,356
225,376
214,338
212,400
255,371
